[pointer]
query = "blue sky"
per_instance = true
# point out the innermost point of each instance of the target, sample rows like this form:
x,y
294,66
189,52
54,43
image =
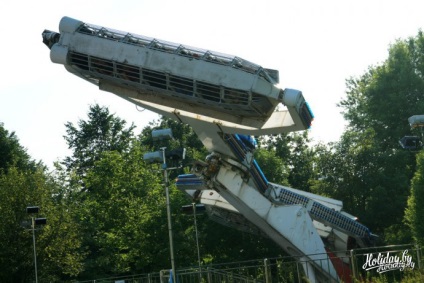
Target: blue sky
x,y
315,45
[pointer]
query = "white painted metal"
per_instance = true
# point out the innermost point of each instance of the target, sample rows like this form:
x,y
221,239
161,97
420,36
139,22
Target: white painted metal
x,y
238,97
416,121
290,226
245,96
283,121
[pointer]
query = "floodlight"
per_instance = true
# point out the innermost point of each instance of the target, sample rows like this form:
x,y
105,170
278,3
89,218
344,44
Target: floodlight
x,y
40,221
34,222
32,209
410,142
153,157
176,154
188,209
416,121
162,134
200,208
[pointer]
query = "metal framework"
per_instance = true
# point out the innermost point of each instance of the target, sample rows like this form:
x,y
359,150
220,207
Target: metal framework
x,y
226,100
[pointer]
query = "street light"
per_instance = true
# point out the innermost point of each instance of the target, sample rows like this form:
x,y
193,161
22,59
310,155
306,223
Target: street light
x,y
410,142
32,210
168,212
160,157
414,142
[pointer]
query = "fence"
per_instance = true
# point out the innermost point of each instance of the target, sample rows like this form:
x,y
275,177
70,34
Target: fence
x,y
391,262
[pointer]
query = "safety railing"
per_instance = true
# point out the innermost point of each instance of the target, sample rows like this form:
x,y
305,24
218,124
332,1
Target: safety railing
x,y
393,263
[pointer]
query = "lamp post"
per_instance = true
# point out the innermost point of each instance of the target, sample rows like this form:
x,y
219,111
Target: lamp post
x,y
160,157
32,210
168,212
197,237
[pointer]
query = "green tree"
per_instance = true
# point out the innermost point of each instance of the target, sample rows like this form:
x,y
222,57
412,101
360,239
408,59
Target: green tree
x,y
12,153
101,132
105,180
387,95
122,210
368,164
272,166
183,137
295,153
22,184
415,208
229,243
366,179
122,216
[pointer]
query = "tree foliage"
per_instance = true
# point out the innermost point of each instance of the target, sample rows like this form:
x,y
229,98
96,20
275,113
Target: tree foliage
x,y
23,184
415,208
366,179
367,164
183,137
121,215
106,208
102,132
107,163
12,154
387,95
228,244
295,156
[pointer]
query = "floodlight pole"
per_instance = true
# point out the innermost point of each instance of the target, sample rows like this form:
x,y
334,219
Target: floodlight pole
x,y
197,240
33,242
168,210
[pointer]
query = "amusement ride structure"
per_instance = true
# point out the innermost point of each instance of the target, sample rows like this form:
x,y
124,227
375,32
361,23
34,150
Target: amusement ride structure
x,y
226,100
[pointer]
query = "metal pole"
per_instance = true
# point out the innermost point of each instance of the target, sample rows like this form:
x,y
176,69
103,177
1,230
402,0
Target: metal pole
x,y
197,240
35,253
353,263
267,273
418,256
168,210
